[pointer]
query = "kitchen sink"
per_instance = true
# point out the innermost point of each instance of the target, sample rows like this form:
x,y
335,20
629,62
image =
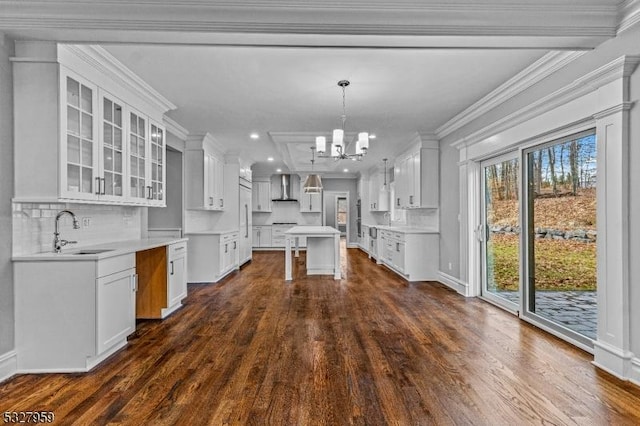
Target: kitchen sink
x,y
92,251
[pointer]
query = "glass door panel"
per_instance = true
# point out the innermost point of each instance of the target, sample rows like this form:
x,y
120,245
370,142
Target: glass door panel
x,y
112,145
137,157
157,163
561,235
501,232
81,143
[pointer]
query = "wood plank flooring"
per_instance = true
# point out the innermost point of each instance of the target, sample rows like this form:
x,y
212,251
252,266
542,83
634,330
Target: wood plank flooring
x,y
368,349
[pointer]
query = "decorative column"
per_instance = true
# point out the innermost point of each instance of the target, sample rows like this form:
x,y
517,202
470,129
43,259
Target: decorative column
x,y
612,349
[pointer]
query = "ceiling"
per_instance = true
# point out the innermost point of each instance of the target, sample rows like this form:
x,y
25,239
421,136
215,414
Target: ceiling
x,y
271,67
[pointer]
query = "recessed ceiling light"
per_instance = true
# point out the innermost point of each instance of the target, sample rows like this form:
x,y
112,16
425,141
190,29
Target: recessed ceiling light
x,y
270,159
279,170
345,170
372,136
254,136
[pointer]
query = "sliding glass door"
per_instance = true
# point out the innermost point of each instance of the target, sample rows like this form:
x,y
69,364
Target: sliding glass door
x,y
500,231
560,237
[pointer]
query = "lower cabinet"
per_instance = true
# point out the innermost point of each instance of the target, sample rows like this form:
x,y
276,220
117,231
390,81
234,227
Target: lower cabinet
x,y
261,236
162,283
63,324
211,256
415,256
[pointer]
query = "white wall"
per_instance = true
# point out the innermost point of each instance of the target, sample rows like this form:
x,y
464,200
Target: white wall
x,y
6,193
171,216
449,207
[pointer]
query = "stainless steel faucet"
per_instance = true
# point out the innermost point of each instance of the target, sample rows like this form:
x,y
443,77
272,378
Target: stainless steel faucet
x,y
57,242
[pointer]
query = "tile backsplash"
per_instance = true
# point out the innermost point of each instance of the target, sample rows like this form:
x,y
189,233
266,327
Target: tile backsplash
x,y
33,225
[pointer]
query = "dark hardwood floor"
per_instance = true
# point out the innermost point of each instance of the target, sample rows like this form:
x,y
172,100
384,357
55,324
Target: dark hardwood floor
x,y
369,349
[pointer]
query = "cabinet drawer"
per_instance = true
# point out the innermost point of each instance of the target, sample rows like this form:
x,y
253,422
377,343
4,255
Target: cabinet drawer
x,y
230,237
398,236
111,265
176,250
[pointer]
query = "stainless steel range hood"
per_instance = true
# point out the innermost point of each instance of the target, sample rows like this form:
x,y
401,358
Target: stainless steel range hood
x,y
285,189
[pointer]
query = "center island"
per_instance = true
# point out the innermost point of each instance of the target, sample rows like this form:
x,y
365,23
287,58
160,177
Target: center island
x,y
323,250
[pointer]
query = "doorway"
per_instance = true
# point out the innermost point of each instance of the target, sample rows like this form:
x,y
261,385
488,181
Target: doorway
x,y
335,212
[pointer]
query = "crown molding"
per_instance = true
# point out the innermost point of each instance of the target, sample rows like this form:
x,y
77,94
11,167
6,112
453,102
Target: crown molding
x,y
490,18
629,14
539,70
108,65
202,140
382,5
619,68
175,128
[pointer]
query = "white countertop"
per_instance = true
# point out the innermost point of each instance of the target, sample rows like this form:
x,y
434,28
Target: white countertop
x,y
405,229
212,232
312,229
113,249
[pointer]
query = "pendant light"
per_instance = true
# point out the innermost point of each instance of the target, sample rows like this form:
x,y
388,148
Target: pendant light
x,y
313,183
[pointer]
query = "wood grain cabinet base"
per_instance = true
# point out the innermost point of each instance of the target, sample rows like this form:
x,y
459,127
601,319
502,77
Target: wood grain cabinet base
x,y
162,280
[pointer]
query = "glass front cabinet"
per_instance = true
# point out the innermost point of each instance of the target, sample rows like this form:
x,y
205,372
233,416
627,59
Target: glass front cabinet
x,y
108,152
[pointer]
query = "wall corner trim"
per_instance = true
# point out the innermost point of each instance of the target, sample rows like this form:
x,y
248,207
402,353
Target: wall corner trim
x,y
8,365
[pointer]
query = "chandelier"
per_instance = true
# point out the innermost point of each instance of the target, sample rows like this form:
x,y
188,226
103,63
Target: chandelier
x,y
337,148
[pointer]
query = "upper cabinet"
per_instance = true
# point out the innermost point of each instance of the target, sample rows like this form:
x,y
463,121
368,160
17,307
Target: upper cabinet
x,y
416,177
205,175
88,126
261,196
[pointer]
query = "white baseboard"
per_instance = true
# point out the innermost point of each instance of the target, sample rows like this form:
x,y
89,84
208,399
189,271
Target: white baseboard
x,y
353,245
8,365
635,371
453,282
613,360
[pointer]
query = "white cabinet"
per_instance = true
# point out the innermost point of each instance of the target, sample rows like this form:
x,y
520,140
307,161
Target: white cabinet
x,y
94,144
262,236
413,255
72,314
310,203
211,256
177,277
205,173
261,196
416,179
378,193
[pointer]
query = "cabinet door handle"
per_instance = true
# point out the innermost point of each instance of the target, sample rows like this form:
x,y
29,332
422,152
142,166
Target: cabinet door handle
x,y
398,202
411,199
397,246
259,207
171,264
149,193
235,245
97,186
225,248
104,186
134,283
221,202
